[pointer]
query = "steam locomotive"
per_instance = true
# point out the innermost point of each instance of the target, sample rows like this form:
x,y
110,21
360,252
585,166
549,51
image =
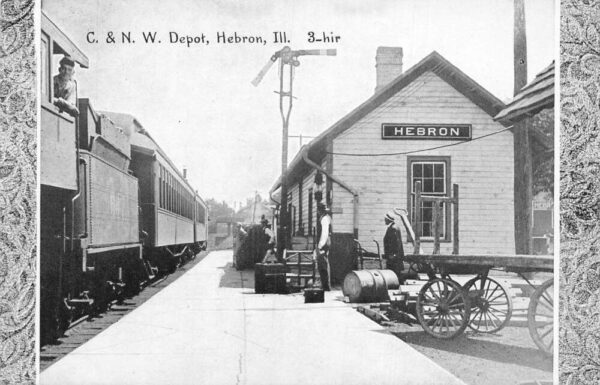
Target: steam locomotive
x,y
114,209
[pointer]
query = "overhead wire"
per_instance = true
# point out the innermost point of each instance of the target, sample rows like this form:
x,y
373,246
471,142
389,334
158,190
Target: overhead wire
x,y
424,149
408,94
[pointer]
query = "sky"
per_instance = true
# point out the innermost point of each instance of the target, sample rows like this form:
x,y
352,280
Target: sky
x,y
198,103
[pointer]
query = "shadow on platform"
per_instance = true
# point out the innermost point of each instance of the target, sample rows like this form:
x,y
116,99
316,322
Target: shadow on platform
x,y
489,350
233,278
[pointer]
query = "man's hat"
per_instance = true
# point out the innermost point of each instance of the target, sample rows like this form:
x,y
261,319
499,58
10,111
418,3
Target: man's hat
x,y
66,60
390,216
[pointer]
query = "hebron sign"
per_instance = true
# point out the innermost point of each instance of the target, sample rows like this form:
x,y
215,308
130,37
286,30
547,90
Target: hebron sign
x,y
426,131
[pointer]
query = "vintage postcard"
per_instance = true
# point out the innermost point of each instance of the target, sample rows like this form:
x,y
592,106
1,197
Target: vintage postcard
x,y
293,192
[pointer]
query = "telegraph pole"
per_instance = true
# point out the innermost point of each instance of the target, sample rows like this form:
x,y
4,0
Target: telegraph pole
x,y
287,58
523,193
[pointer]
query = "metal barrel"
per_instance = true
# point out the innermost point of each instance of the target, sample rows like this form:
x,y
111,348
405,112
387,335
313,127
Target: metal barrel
x,y
369,285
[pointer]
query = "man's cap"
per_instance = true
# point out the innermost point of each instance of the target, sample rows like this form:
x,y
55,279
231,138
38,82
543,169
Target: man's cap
x,y
390,216
66,60
399,212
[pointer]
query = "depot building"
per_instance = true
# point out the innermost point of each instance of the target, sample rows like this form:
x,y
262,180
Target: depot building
x,y
431,124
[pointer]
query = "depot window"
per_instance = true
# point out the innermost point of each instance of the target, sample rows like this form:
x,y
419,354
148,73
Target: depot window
x,y
434,175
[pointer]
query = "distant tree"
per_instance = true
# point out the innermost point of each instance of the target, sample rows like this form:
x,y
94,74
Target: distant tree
x,y
217,210
543,160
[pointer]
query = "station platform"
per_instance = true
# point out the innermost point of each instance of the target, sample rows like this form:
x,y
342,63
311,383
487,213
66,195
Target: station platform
x,y
209,327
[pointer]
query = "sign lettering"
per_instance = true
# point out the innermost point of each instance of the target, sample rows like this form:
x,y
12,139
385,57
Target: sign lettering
x,y
426,131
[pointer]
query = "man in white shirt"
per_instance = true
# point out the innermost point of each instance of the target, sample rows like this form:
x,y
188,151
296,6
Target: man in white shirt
x,y
324,245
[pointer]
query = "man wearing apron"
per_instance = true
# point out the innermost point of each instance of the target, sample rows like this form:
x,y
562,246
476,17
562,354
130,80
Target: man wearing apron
x,y
324,236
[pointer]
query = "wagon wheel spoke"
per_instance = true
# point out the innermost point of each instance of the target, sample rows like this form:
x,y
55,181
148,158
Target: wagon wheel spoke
x,y
544,334
495,316
453,319
434,293
496,297
549,300
492,293
498,310
551,309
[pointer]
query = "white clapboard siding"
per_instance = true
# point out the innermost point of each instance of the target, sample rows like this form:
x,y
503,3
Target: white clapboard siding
x,y
307,184
483,169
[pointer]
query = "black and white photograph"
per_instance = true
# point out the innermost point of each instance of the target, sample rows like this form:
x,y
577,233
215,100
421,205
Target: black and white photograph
x,y
296,192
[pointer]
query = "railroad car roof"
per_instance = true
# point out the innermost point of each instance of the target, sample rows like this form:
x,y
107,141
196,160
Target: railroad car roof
x,y
141,140
62,43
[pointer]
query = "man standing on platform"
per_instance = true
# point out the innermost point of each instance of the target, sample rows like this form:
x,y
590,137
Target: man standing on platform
x,y
393,251
324,245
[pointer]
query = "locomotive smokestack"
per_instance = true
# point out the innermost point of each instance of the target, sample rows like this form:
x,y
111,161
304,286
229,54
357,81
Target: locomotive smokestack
x,y
388,64
184,173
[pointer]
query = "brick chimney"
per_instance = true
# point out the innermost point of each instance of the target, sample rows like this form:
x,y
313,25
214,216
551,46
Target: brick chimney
x,y
388,65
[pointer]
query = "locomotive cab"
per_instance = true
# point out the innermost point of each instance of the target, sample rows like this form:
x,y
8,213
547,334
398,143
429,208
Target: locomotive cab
x,y
58,176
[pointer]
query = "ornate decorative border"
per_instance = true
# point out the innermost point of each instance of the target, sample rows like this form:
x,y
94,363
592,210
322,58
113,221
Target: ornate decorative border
x,y
580,192
579,354
18,162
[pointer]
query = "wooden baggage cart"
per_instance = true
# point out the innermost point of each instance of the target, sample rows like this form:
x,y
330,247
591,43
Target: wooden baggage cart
x,y
445,308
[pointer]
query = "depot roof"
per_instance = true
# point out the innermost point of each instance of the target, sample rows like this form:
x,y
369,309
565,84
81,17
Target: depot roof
x,y
433,62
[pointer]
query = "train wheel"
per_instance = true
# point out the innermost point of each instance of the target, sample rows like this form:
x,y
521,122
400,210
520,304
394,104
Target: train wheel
x,y
491,305
132,286
540,317
443,308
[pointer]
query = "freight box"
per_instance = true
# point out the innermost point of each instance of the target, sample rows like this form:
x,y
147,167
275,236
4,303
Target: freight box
x,y
314,295
269,278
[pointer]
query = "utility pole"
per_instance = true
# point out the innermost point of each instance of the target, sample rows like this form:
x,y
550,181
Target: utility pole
x,y
287,58
523,193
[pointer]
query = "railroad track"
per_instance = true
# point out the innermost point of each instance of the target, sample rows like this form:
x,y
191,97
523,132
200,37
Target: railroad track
x,y
85,328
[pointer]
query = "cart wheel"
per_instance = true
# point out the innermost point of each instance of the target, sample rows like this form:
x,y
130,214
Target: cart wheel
x,y
491,305
540,317
443,308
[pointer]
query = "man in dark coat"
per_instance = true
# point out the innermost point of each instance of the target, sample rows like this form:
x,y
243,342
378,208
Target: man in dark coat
x,y
393,250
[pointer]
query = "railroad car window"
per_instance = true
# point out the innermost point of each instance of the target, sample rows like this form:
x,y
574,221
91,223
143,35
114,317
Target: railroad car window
x,y
201,214
434,177
45,74
160,194
164,189
170,187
